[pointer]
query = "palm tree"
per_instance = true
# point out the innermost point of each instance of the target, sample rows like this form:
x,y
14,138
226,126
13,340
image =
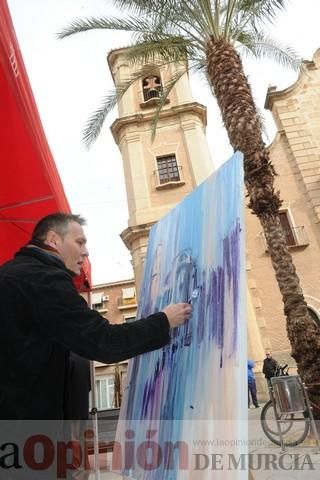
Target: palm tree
x,y
211,35
117,388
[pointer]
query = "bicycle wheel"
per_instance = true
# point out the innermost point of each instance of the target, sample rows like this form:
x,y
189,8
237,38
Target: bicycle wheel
x,y
294,426
268,421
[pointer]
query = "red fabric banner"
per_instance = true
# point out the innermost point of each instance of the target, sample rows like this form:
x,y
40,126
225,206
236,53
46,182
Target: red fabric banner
x,y
30,186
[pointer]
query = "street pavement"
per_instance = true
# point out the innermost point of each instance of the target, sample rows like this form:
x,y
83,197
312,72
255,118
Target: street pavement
x,y
265,458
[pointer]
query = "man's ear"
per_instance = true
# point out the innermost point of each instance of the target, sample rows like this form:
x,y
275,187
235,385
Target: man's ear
x,y
51,238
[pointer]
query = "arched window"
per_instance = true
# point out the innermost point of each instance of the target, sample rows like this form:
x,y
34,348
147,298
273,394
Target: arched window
x,y
151,87
315,315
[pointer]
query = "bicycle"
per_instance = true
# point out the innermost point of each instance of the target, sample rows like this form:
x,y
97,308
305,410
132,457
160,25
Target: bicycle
x,y
294,426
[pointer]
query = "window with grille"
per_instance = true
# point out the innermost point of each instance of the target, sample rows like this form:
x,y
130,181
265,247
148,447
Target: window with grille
x,y
295,236
315,315
168,170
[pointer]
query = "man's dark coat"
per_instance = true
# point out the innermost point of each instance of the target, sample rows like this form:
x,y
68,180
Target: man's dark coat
x,y
42,318
270,366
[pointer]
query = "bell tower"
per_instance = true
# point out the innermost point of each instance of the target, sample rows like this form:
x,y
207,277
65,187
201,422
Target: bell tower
x,y
158,173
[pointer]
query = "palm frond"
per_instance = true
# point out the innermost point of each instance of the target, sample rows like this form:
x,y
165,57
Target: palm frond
x,y
244,38
139,7
230,9
216,14
176,17
264,47
191,17
169,49
268,9
253,13
207,13
264,10
130,24
96,120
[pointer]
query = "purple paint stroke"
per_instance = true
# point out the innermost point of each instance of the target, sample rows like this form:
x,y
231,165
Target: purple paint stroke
x,y
152,393
201,313
215,308
231,260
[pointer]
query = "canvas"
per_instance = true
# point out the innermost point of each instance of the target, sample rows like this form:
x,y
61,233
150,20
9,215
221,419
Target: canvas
x,y
194,388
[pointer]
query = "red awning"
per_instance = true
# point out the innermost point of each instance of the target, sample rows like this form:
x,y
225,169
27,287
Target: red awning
x,y
30,186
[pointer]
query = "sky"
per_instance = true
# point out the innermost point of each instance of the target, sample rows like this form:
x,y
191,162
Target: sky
x,y
69,77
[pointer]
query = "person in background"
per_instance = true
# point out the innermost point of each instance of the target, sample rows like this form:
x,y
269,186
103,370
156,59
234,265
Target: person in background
x,y
270,366
252,388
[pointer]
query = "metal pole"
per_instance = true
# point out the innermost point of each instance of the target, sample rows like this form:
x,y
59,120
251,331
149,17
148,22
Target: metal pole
x,y
276,416
94,413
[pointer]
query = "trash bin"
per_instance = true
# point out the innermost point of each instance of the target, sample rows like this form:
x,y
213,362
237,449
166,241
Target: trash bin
x,y
289,394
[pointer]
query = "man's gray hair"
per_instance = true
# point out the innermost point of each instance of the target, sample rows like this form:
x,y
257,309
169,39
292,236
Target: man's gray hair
x,y
58,222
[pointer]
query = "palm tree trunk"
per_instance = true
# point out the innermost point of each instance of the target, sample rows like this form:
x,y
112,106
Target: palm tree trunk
x,y
243,125
117,387
302,332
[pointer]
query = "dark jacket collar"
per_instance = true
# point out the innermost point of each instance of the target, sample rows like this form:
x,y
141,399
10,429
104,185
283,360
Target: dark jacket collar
x,y
44,256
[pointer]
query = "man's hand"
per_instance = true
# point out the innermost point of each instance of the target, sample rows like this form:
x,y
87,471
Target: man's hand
x,y
178,313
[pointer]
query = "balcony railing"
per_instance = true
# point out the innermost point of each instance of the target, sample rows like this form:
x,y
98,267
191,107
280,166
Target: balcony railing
x,y
149,93
295,237
150,98
124,303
